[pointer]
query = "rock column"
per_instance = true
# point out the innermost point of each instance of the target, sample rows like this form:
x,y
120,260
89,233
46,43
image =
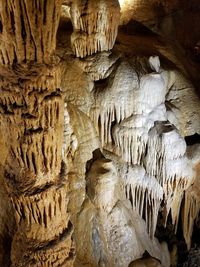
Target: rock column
x,y
32,118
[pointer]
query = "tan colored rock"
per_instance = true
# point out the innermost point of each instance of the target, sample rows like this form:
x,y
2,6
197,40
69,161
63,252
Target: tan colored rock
x,y
116,235
25,39
99,66
192,196
149,262
7,224
95,26
92,145
32,114
182,113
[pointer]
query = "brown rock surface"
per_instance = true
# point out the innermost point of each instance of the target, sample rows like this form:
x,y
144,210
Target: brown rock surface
x,y
94,130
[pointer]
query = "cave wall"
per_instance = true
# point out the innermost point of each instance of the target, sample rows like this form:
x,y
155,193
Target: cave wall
x,y
96,108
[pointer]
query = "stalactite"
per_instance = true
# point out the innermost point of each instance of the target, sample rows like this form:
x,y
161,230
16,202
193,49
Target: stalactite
x,y
191,205
116,103
131,137
95,26
33,114
133,116
35,124
166,159
29,32
190,213
145,194
88,139
99,66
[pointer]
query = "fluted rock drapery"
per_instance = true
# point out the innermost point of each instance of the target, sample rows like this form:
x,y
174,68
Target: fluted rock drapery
x,y
32,118
94,160
95,26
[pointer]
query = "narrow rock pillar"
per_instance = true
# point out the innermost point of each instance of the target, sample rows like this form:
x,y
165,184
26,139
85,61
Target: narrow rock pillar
x,y
32,118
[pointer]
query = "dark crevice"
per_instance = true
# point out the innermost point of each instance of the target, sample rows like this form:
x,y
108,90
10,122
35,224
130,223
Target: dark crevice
x,y
45,218
43,153
23,29
144,206
99,126
130,196
1,26
196,232
34,163
38,190
22,211
97,154
15,57
6,244
16,186
134,27
65,25
54,13
42,46
27,160
36,19
63,171
102,84
9,109
50,245
50,211
57,93
12,20
28,116
16,106
39,216
5,110
45,12
33,131
57,112
182,251
113,123
192,139
21,154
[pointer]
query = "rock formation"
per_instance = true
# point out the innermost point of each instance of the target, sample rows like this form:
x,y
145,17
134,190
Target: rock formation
x,y
95,117
32,120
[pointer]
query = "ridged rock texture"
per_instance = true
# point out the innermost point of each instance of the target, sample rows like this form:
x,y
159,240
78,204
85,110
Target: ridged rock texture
x,y
95,25
32,120
99,135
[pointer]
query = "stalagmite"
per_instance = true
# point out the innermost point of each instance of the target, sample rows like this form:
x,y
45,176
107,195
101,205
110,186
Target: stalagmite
x,y
77,162
118,230
99,133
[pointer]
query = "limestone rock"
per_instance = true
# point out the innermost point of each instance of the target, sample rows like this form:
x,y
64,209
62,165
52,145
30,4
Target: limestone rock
x,y
192,203
95,26
94,129
182,113
149,262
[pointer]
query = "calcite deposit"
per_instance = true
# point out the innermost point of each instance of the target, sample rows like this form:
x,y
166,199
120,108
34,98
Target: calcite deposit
x,y
99,134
